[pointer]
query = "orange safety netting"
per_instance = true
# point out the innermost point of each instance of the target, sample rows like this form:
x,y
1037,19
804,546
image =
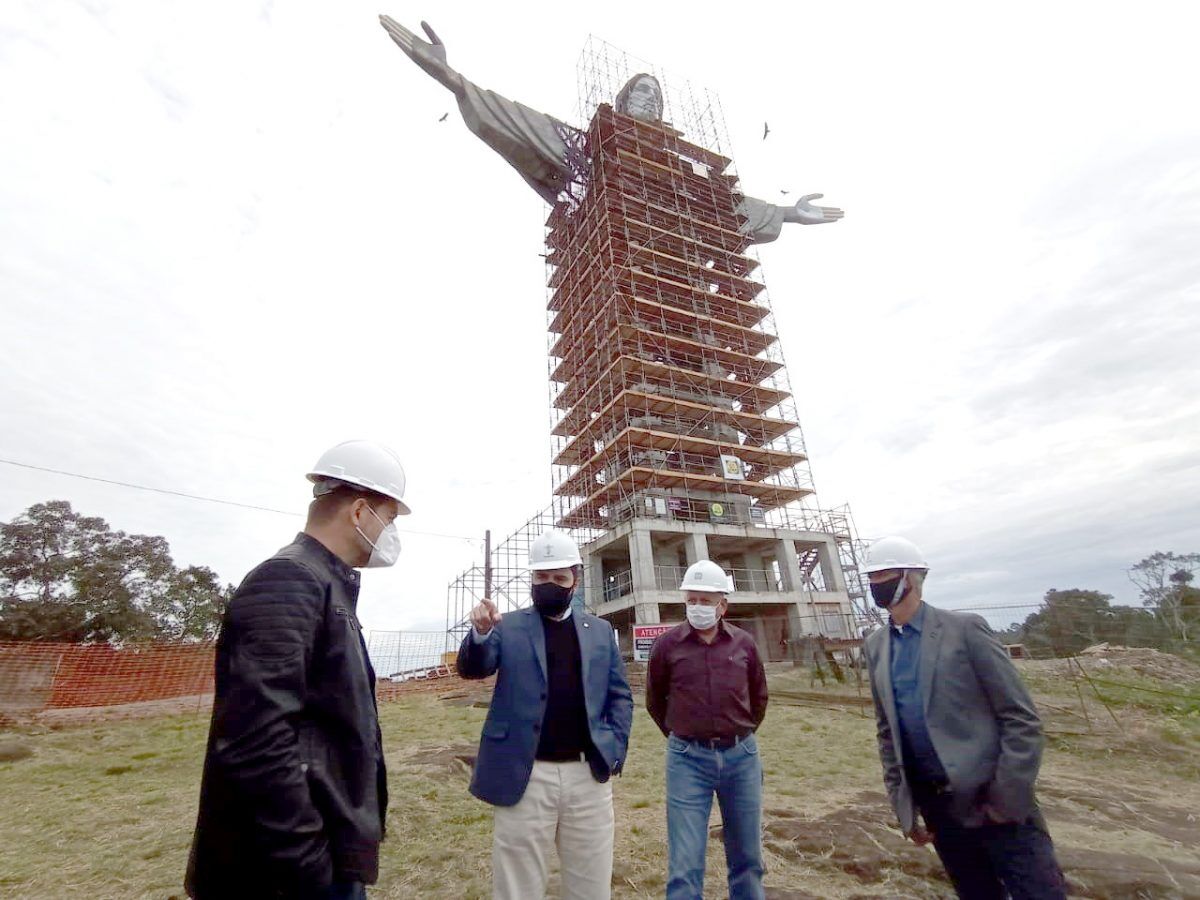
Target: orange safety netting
x,y
38,676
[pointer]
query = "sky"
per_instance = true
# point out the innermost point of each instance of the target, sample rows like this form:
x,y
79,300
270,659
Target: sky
x,y
234,235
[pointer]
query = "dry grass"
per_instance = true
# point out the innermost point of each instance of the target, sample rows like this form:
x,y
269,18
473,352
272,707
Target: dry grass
x,y
106,811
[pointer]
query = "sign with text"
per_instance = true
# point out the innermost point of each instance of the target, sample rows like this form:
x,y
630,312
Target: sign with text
x,y
733,468
644,637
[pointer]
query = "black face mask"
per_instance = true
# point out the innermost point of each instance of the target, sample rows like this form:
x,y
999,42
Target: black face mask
x,y
885,594
552,599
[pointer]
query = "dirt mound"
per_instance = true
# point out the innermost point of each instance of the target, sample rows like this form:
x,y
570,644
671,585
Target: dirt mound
x,y
1122,808
859,841
1143,661
448,684
458,758
1120,876
479,698
145,709
11,751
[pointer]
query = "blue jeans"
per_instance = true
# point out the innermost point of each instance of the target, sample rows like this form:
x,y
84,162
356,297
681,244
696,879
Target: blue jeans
x,y
694,774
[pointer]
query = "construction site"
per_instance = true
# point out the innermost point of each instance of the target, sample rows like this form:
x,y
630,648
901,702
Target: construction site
x,y
674,436
674,430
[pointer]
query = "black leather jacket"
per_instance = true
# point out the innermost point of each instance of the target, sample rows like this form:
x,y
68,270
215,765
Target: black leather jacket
x,y
294,791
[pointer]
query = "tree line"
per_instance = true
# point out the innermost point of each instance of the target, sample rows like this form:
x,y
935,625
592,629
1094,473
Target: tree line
x,y
1071,620
69,577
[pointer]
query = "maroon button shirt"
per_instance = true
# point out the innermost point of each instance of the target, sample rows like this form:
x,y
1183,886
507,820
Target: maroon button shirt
x,y
700,691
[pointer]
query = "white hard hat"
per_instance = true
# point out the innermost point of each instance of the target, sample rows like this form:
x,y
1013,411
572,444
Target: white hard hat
x,y
706,575
894,553
553,550
365,464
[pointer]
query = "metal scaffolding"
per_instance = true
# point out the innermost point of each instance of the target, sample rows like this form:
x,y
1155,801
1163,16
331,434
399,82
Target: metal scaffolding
x,y
504,576
669,393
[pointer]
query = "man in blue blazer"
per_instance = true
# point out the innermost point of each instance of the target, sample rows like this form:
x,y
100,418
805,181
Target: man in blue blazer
x,y
556,731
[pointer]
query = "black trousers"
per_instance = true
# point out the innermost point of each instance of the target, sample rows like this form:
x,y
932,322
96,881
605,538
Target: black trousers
x,y
993,861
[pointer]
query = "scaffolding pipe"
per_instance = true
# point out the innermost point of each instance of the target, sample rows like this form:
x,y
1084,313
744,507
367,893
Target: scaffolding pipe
x,y
487,563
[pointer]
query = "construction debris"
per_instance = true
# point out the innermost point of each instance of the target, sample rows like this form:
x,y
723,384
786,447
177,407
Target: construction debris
x,y
1144,661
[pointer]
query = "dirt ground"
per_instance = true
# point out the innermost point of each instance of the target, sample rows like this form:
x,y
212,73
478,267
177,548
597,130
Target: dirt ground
x,y
103,808
855,838
1121,803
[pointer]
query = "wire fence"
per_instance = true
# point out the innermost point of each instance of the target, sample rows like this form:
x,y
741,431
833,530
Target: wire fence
x,y
400,656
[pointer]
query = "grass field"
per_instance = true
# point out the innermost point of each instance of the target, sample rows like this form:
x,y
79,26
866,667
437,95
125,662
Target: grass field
x,y
106,810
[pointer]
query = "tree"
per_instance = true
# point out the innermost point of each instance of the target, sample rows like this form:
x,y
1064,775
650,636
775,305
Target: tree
x,y
192,606
39,553
1070,621
39,548
117,584
69,577
1164,581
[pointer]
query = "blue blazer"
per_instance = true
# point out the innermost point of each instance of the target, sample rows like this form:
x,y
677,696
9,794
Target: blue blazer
x,y
516,648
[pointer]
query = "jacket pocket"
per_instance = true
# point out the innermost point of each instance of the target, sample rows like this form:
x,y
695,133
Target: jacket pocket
x,y
346,616
271,652
497,731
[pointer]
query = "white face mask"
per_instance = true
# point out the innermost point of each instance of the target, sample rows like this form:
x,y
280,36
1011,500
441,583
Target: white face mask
x,y
701,617
385,549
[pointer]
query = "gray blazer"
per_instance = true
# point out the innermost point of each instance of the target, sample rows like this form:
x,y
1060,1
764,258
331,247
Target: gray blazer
x,y
980,717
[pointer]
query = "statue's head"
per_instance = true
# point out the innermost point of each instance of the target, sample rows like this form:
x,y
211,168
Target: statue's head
x,y
642,98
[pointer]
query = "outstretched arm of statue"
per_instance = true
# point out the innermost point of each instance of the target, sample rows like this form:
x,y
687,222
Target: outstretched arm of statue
x,y
531,142
429,56
808,214
764,221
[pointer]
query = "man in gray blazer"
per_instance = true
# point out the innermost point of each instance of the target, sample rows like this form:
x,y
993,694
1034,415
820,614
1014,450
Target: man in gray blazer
x,y
959,737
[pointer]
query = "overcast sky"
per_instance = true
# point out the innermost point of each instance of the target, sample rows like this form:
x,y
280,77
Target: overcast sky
x,y
234,234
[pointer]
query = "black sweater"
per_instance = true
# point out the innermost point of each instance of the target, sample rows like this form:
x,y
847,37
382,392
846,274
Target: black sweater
x,y
565,732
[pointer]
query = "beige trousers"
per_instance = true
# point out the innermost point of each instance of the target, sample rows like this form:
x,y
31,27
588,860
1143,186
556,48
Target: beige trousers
x,y
563,807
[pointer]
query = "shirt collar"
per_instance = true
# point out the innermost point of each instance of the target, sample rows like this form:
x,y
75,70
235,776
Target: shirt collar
x,y
916,623
331,559
564,616
692,632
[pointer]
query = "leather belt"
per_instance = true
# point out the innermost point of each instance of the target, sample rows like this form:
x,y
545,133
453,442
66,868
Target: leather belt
x,y
717,743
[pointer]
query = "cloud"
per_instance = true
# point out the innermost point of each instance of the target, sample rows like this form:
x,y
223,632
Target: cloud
x,y
230,240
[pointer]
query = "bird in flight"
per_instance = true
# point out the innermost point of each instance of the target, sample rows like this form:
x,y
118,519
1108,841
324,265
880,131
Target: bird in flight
x,y
444,117
785,193
766,130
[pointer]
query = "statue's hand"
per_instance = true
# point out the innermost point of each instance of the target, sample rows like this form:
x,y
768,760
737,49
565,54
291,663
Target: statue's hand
x,y
429,55
807,214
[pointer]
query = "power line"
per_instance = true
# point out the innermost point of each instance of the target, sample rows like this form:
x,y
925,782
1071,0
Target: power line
x,y
169,492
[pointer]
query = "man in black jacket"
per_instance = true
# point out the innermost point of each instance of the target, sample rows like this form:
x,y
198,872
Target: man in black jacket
x,y
294,792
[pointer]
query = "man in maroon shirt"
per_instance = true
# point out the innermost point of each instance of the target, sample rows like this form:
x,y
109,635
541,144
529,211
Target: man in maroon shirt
x,y
707,692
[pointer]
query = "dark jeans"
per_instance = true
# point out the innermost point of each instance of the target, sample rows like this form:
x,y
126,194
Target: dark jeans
x,y
995,861
347,890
